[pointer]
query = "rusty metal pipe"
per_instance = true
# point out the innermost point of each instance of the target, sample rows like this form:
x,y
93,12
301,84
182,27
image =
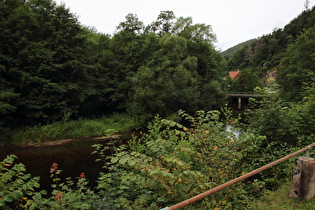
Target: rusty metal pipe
x,y
245,176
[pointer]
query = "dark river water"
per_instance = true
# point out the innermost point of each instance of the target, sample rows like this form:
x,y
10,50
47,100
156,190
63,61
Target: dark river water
x,y
73,158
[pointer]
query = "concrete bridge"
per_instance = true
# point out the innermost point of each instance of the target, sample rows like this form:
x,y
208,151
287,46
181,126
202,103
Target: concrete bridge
x,y
241,99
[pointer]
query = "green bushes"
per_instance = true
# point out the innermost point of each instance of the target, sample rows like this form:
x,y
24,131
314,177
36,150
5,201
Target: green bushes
x,y
21,191
168,164
18,189
82,128
283,122
172,163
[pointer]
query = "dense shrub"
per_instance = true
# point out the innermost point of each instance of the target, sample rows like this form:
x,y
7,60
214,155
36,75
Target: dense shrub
x,y
173,162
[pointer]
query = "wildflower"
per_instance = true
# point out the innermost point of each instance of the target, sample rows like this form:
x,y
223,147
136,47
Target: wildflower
x,y
53,167
82,175
58,195
25,199
215,148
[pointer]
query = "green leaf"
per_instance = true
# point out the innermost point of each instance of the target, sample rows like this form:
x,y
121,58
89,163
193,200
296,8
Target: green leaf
x,y
133,178
37,185
123,160
2,203
44,192
125,178
114,159
132,162
17,194
30,184
8,198
26,176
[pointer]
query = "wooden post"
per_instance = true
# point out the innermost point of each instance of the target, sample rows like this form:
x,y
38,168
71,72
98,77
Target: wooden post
x,y
303,184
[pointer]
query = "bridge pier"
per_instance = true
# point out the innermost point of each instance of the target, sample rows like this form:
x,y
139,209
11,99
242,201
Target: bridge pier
x,y
239,103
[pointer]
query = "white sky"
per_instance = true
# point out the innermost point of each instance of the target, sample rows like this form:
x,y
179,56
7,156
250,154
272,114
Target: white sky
x,y
233,21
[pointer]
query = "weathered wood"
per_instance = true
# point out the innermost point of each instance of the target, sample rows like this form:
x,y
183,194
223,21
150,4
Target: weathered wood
x,y
303,183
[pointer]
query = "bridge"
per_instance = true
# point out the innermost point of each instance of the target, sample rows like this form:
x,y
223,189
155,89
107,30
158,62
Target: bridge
x,y
242,98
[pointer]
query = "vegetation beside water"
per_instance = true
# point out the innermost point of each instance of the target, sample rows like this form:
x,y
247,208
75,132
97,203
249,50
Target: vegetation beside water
x,y
81,128
170,163
58,80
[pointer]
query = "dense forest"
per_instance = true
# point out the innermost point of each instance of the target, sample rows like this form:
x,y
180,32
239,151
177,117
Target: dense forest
x,y
169,76
285,55
51,65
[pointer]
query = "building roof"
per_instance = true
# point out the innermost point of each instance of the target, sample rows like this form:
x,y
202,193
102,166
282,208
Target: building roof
x,y
234,74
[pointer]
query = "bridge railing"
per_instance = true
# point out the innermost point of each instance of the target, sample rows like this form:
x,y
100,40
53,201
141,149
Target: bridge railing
x,y
229,183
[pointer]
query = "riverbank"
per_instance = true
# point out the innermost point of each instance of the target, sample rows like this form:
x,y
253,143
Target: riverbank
x,y
64,141
69,130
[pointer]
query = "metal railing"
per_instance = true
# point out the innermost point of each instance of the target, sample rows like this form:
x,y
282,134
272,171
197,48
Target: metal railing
x,y
229,183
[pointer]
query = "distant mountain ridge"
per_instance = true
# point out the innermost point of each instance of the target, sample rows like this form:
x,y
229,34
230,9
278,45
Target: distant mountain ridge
x,y
232,50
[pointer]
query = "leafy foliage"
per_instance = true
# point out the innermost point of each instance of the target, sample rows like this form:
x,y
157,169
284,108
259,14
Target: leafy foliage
x,y
22,191
18,189
82,128
70,194
297,68
43,60
51,65
281,121
231,51
172,163
285,51
246,82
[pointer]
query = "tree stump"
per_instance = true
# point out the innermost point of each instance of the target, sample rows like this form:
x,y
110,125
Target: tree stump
x,y
303,184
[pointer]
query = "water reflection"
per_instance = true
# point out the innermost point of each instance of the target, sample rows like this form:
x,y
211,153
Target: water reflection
x,y
232,132
73,158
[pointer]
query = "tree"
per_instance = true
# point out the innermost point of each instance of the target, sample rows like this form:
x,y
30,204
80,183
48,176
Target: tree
x,y
195,32
163,24
180,74
297,64
246,82
7,107
132,24
169,86
43,53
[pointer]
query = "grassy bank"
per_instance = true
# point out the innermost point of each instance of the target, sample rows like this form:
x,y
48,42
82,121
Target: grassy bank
x,y
82,128
279,199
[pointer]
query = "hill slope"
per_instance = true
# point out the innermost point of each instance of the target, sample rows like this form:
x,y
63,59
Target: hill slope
x,y
231,51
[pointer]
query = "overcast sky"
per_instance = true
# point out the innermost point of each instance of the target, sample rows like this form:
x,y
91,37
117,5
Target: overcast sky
x,y
233,21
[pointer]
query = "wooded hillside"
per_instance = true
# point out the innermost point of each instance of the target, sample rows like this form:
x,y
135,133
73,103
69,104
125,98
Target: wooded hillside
x,y
274,54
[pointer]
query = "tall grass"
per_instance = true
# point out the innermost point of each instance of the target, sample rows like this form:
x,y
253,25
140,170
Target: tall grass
x,y
82,128
279,199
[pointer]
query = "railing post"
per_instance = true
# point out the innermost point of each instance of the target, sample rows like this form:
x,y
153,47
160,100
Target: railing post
x,y
303,183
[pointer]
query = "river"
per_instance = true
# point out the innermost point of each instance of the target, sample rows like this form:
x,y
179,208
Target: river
x,y
73,158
